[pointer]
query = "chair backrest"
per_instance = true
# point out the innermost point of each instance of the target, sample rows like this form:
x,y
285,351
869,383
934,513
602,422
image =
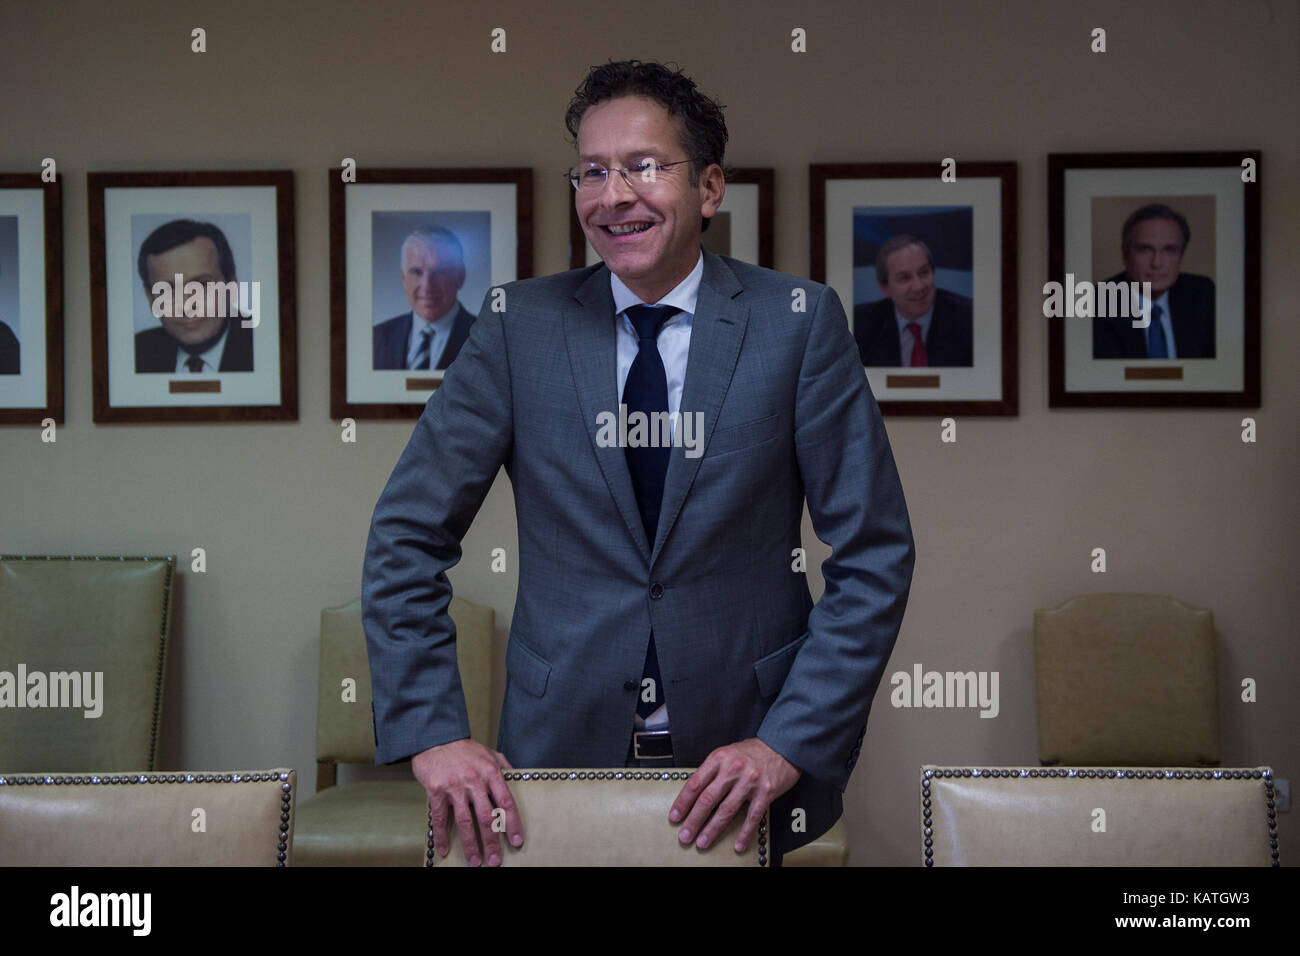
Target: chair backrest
x,y
1098,816
613,817
344,720
157,819
83,650
1126,679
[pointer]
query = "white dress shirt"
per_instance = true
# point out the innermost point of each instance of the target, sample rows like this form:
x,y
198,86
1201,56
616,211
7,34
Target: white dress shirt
x,y
674,345
211,356
441,335
674,338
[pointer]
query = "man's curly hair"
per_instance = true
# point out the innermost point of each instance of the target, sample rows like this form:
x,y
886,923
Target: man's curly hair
x,y
700,122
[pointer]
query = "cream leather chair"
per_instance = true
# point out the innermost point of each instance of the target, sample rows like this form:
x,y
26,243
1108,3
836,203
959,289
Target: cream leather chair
x,y
619,817
1127,722
70,619
152,819
1126,679
384,822
613,817
1098,816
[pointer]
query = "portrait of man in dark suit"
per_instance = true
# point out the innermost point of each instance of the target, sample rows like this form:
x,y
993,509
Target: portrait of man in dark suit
x,y
916,324
1182,303
659,621
201,344
9,351
431,334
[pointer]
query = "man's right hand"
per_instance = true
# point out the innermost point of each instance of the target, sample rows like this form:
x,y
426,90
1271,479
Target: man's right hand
x,y
467,776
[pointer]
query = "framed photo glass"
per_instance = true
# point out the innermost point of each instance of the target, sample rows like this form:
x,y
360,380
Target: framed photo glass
x,y
1153,297
413,256
925,264
192,296
31,299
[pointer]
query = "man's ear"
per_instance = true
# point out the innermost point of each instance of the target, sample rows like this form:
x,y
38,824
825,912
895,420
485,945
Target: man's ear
x,y
714,184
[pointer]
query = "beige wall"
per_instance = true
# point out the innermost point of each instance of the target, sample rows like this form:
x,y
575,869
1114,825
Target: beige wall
x,y
1004,519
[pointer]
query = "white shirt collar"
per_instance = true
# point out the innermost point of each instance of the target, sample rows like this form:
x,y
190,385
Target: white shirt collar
x,y
418,322
923,320
211,355
684,295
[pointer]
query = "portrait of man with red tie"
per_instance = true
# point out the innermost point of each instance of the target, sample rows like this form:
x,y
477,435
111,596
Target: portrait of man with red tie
x,y
915,324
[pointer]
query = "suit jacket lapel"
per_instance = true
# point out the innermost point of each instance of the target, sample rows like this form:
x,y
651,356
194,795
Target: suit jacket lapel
x,y
399,342
889,335
1135,340
590,336
941,333
1187,316
238,353
717,330
459,333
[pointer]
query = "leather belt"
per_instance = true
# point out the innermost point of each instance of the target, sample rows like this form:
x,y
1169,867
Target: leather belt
x,y
652,745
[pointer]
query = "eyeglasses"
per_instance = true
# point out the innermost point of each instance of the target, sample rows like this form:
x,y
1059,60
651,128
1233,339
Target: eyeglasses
x,y
591,177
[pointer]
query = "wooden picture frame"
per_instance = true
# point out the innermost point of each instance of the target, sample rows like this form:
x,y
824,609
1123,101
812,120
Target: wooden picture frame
x,y
31,299
165,375
964,217
1103,210
482,218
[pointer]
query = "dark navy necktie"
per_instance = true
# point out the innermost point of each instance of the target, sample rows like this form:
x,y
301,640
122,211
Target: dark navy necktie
x,y
646,391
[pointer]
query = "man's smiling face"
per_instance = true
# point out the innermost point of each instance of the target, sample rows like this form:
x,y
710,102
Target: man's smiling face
x,y
194,261
911,281
649,237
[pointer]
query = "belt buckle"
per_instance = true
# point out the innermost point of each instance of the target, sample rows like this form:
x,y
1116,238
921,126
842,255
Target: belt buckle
x,y
636,744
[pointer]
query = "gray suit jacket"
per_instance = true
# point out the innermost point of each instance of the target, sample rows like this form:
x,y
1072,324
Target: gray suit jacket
x,y
742,650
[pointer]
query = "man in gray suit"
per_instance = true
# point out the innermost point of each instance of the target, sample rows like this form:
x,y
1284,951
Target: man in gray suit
x,y
663,617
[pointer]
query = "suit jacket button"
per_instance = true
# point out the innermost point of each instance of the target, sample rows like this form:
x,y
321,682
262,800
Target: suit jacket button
x,y
629,685
656,591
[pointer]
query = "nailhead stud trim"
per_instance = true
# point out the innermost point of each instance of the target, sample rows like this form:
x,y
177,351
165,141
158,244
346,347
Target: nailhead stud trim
x,y
520,776
1094,773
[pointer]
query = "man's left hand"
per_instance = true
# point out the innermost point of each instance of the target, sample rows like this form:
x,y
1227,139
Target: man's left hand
x,y
746,772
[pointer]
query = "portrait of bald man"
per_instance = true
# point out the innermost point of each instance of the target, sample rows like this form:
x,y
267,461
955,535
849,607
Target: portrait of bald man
x,y
430,335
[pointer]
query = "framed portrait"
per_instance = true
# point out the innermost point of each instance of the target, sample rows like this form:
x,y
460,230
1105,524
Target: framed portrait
x,y
741,229
31,299
192,296
923,256
1153,292
413,254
